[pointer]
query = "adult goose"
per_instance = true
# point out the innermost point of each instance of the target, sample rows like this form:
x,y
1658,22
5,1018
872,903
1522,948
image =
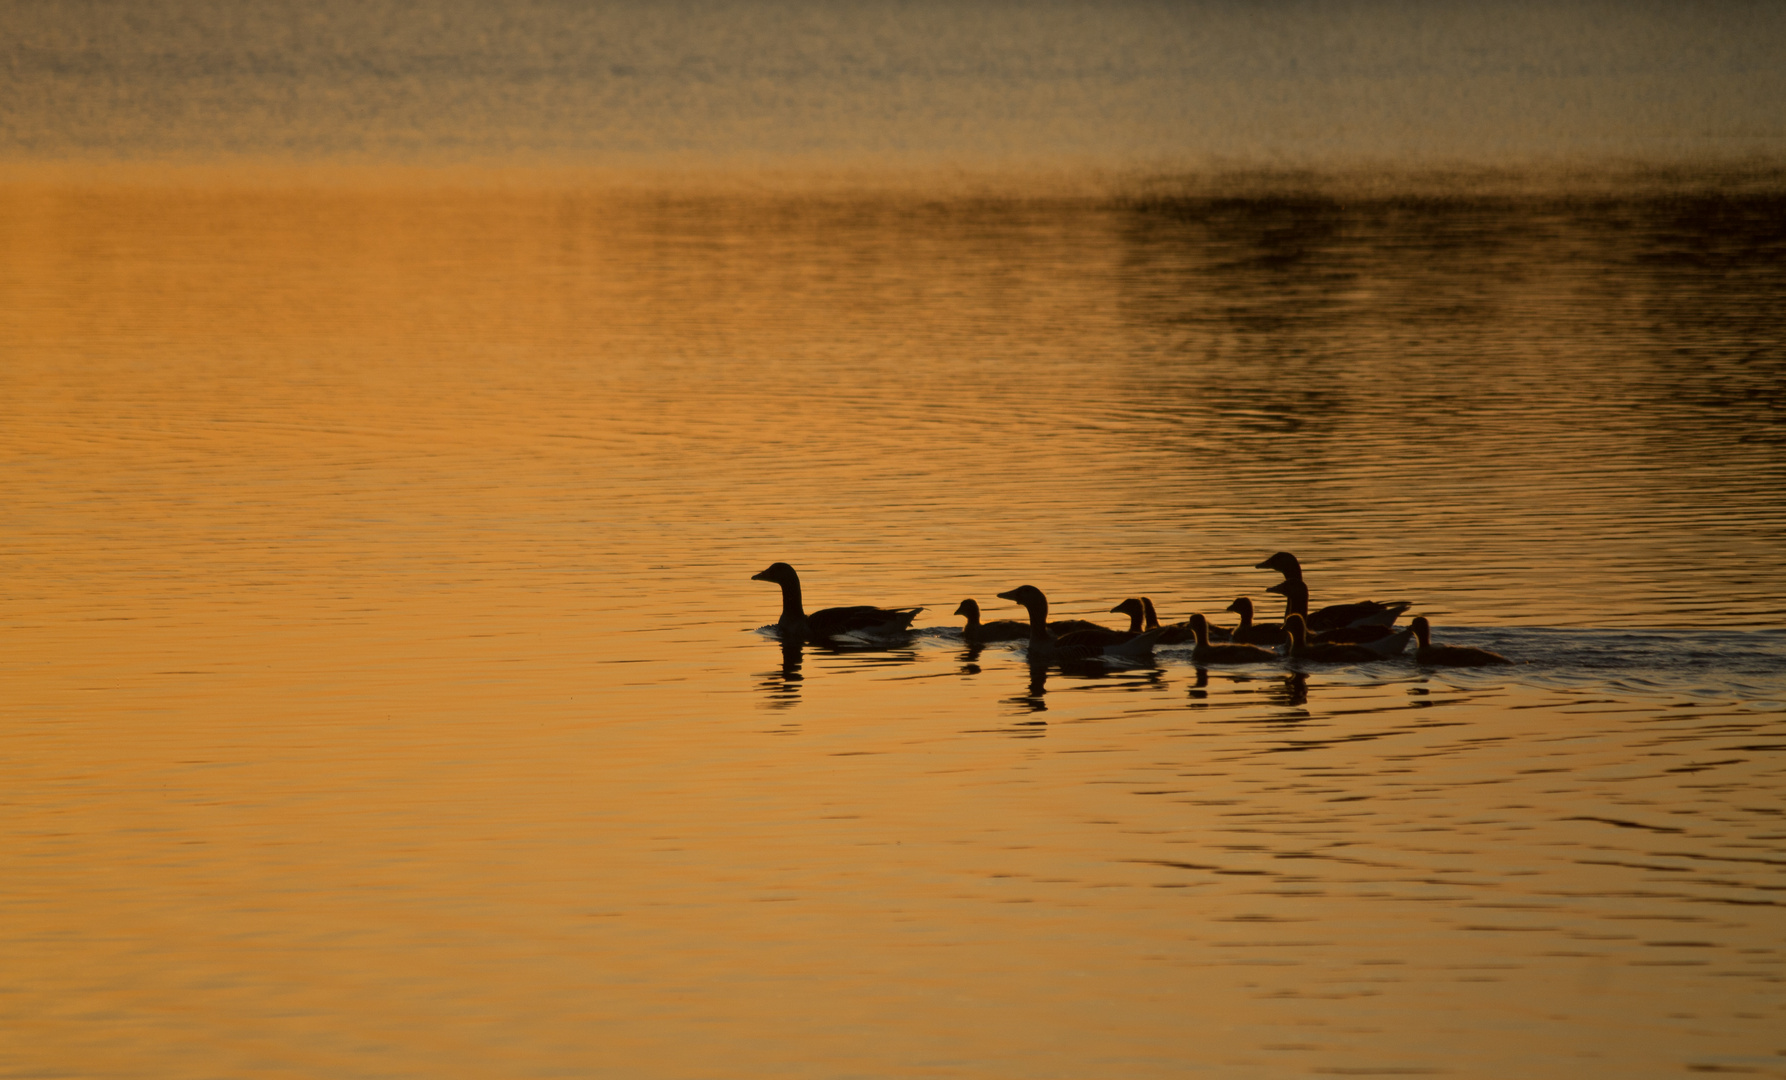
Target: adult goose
x,y
1383,640
1449,655
1136,608
977,632
1301,648
1250,632
1205,653
1045,648
1334,616
862,622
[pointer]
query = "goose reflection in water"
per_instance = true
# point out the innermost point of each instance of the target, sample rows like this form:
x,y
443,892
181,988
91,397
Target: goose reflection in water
x,y
970,659
782,688
1292,690
1032,700
1199,691
854,658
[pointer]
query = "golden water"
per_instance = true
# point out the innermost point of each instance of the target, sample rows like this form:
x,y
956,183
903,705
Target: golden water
x,y
381,696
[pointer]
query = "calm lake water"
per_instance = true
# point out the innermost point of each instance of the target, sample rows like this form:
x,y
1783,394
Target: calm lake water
x,y
395,402
383,696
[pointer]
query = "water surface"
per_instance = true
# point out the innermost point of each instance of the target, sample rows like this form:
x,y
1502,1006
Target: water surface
x,y
384,696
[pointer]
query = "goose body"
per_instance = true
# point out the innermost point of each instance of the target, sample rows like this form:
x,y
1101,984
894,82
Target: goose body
x,y
1301,648
1333,616
1359,613
1378,636
1393,643
1102,644
1232,653
1449,655
862,621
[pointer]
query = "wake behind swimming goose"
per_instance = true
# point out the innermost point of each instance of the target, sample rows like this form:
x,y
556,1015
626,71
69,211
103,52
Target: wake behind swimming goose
x,y
862,623
1334,616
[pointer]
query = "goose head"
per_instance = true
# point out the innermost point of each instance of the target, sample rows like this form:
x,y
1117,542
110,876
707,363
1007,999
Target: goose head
x,y
1284,563
1423,630
780,573
1134,609
1027,595
1297,629
1294,592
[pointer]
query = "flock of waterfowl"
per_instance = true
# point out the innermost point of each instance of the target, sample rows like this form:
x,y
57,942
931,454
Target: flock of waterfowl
x,y
1359,632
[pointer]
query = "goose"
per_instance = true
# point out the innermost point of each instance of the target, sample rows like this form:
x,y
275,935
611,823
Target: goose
x,y
1177,633
1381,639
861,621
1205,653
996,630
1045,648
1448,655
1334,616
1143,616
1301,648
1250,632
1009,629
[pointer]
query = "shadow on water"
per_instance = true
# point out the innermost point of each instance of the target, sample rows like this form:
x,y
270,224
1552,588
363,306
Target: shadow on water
x,y
1291,296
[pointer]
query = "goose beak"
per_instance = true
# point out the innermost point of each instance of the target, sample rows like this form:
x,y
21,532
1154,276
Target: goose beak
x,y
1278,588
762,576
